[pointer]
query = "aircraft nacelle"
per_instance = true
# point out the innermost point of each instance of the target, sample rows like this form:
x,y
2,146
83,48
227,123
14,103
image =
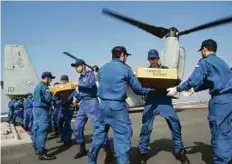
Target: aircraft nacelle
x,y
173,56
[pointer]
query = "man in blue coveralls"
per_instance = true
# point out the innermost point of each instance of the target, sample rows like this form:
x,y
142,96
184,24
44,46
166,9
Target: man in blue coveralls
x,y
11,111
18,109
214,74
159,103
114,78
42,103
56,107
21,112
88,108
65,117
28,116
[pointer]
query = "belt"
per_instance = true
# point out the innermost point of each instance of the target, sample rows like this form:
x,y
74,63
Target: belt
x,y
88,98
220,94
123,101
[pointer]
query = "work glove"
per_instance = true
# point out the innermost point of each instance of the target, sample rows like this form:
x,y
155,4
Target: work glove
x,y
172,91
188,92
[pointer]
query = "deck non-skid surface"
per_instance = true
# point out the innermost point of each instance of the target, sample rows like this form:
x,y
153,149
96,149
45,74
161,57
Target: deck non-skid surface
x,y
196,137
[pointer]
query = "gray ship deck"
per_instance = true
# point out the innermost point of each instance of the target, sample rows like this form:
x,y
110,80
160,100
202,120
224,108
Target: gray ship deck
x,y
196,137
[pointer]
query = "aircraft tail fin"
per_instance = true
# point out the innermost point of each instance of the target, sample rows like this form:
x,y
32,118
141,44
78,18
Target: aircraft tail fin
x,y
19,74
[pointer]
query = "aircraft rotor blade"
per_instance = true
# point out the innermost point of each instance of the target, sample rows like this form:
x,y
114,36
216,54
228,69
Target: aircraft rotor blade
x,y
70,55
207,25
159,32
73,57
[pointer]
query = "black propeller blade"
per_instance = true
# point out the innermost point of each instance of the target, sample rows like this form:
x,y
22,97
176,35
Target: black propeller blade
x,y
207,25
71,56
160,32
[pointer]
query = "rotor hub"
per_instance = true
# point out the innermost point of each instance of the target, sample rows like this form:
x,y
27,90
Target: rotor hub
x,y
173,32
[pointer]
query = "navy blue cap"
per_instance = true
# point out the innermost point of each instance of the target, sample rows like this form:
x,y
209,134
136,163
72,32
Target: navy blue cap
x,y
47,74
152,54
209,43
120,49
64,77
78,63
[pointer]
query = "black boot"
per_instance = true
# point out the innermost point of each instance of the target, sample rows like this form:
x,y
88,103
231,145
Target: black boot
x,y
143,159
68,143
109,154
82,152
181,156
44,156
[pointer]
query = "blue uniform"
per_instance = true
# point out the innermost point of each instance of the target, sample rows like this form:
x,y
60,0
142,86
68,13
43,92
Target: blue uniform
x,y
89,105
18,110
42,101
55,112
214,74
159,103
11,111
28,116
64,121
114,78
